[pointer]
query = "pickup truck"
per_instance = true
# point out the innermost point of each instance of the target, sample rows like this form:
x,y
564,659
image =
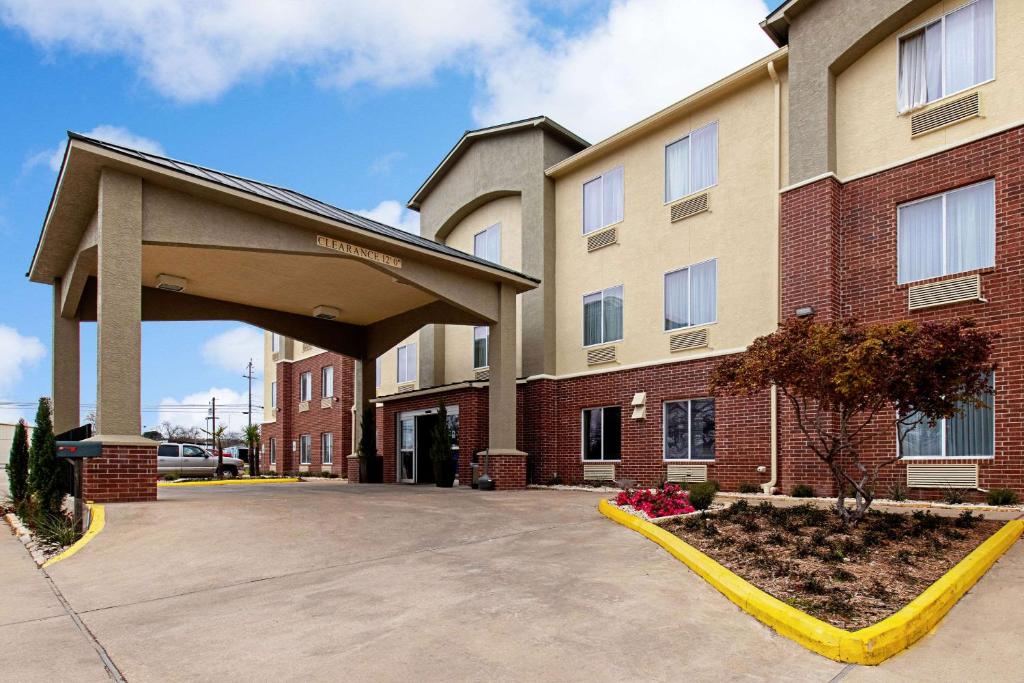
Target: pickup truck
x,y
190,460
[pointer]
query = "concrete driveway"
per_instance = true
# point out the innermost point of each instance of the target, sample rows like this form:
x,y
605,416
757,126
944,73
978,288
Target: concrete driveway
x,y
328,581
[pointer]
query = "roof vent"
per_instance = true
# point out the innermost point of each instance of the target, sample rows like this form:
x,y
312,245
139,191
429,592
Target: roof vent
x,y
326,312
947,114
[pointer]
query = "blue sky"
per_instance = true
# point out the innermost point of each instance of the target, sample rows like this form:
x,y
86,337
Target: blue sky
x,y
351,102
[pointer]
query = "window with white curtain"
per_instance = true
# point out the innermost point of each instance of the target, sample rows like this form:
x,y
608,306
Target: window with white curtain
x,y
691,295
602,433
948,233
327,381
275,342
487,244
602,316
691,163
480,337
970,434
406,363
689,429
273,451
953,53
603,200
305,386
327,448
305,449
273,394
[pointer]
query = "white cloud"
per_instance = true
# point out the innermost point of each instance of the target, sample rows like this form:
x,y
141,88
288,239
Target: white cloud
x,y
193,51
16,353
385,162
392,213
191,410
232,349
54,156
644,55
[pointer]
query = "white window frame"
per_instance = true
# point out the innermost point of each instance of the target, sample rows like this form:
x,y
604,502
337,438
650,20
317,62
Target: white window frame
x,y
583,330
689,293
305,449
944,196
273,394
306,386
327,448
490,232
410,363
689,431
273,450
327,381
942,59
487,350
583,434
942,437
275,342
378,371
689,158
583,201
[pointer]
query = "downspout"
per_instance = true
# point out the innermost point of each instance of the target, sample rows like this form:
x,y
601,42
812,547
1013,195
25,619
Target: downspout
x,y
769,486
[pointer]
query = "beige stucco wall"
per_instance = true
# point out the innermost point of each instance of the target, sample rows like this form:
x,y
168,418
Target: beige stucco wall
x,y
389,367
740,230
458,339
269,375
871,135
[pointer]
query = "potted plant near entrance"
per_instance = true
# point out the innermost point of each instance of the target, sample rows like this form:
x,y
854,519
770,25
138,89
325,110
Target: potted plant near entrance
x,y
441,449
370,466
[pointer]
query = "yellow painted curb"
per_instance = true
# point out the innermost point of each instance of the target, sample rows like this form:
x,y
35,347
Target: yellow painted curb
x,y
97,520
871,645
226,482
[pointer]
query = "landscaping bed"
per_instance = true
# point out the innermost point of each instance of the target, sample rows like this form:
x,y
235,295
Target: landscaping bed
x,y
849,577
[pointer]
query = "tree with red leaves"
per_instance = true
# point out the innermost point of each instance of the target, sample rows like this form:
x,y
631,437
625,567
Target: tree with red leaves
x,y
839,377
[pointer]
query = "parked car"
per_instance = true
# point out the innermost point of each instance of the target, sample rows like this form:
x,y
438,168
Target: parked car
x,y
190,460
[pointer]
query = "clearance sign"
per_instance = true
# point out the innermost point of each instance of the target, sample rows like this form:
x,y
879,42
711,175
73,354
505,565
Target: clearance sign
x,y
359,252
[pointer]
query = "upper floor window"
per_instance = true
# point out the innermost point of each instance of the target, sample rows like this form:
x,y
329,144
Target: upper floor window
x,y
406,363
690,295
603,200
275,342
377,368
273,394
327,381
305,386
951,54
487,244
970,434
480,337
691,164
949,233
602,316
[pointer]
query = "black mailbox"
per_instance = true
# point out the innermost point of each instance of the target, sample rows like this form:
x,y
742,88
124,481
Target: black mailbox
x,y
79,449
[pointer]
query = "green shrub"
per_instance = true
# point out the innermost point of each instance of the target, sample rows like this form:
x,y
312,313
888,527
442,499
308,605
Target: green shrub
x,y
702,495
954,496
898,492
46,472
170,476
1001,497
55,530
17,465
747,487
802,491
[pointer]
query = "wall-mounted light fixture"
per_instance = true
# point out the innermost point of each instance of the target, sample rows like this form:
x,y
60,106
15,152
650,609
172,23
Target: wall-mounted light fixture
x,y
804,311
326,312
170,283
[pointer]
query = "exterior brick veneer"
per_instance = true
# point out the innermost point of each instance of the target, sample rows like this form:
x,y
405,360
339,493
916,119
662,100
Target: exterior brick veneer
x,y
856,275
122,474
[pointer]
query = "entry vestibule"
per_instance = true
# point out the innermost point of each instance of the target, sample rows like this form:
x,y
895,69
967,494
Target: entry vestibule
x,y
415,441
131,237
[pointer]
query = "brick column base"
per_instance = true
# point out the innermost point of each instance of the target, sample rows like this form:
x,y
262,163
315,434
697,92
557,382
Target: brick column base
x,y
353,469
122,474
506,468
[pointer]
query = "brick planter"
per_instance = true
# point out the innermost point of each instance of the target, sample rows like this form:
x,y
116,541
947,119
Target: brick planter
x,y
123,474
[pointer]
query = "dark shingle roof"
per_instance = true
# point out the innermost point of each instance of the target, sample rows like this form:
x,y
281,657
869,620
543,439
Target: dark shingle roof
x,y
282,195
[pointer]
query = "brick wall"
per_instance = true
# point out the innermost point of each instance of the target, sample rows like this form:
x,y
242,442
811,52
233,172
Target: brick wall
x,y
866,275
122,474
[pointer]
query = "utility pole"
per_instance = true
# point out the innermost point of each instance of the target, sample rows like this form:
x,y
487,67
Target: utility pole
x,y
253,464
248,376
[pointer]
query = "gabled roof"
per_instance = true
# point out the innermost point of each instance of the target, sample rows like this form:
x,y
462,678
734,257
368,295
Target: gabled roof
x,y
285,196
776,24
471,136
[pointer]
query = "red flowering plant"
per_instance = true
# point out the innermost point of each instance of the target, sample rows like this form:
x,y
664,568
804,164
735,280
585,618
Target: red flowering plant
x,y
663,502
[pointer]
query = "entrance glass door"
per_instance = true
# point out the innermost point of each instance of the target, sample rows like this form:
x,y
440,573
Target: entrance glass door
x,y
407,450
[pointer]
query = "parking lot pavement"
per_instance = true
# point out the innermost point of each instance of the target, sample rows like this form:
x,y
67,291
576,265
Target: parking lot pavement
x,y
321,581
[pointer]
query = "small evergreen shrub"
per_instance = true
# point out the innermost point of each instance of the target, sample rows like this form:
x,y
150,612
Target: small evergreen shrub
x,y
46,472
954,496
802,491
17,465
747,487
898,492
170,476
702,494
1001,497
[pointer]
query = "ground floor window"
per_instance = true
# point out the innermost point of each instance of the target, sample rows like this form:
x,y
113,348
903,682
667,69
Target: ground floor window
x,y
327,448
602,433
970,434
305,446
690,429
273,451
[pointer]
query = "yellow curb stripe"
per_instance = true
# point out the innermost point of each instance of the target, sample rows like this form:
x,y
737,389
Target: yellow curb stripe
x,y
870,645
97,520
226,482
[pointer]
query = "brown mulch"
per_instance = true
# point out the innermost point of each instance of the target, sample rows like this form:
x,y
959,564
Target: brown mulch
x,y
850,578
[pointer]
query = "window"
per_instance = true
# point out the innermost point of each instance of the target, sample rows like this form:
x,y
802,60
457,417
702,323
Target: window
x,y
690,429
327,448
951,54
691,164
971,434
602,316
377,367
273,394
603,200
948,233
487,244
406,363
690,295
305,386
305,446
602,433
193,452
327,381
275,342
167,451
480,338
273,451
